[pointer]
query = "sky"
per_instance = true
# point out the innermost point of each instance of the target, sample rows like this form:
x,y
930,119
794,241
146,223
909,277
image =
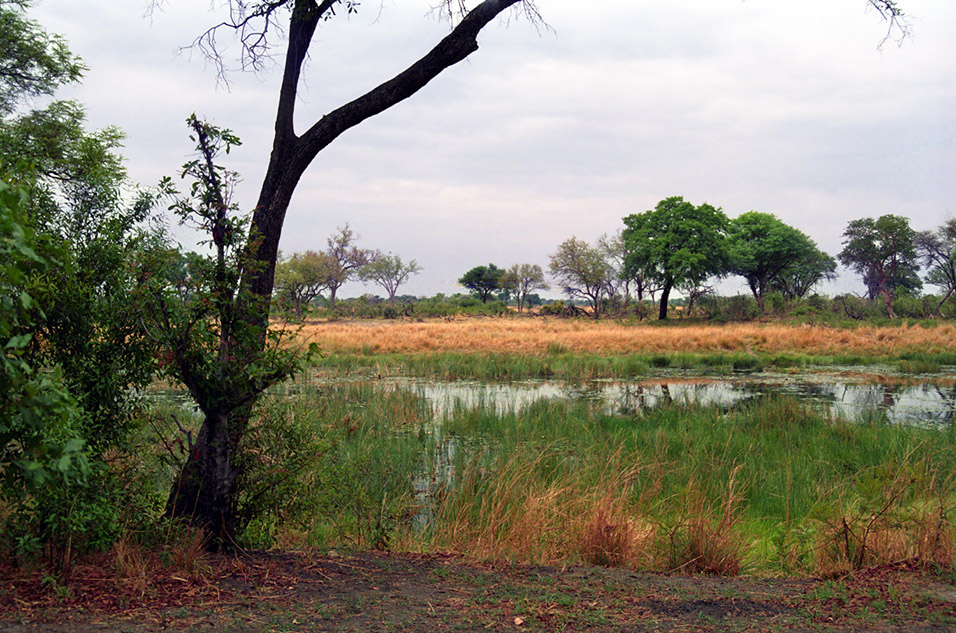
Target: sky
x,y
804,110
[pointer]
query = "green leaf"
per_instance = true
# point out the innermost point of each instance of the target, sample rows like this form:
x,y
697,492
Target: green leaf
x,y
19,342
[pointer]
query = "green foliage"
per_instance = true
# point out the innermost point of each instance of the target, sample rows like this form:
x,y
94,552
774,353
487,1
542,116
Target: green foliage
x,y
300,279
675,244
482,280
883,252
206,345
770,254
39,443
33,62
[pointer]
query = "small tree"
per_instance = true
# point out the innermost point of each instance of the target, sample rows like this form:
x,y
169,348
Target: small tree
x,y
939,253
389,272
483,280
582,271
676,244
881,250
343,260
522,280
301,278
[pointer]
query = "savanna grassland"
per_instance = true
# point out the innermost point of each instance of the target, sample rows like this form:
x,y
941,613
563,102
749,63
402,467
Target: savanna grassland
x,y
544,335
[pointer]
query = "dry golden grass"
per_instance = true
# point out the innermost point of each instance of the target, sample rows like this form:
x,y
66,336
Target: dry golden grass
x,y
535,336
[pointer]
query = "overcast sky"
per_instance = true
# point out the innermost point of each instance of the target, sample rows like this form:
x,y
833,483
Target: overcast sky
x,y
790,108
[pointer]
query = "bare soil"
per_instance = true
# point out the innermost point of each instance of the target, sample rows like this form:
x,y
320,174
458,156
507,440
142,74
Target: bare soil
x,y
274,591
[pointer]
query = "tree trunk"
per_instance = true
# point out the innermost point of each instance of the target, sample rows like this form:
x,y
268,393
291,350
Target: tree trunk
x,y
888,301
332,291
665,293
205,490
939,306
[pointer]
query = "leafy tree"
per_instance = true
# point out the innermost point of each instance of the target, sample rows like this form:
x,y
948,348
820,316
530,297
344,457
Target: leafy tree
x,y
343,260
762,248
522,279
882,251
676,244
86,333
582,272
389,272
939,253
483,280
302,277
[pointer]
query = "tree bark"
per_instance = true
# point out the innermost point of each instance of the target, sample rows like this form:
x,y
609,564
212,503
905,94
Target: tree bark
x,y
665,293
205,491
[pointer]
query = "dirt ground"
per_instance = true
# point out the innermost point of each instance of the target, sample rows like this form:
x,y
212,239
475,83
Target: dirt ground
x,y
275,592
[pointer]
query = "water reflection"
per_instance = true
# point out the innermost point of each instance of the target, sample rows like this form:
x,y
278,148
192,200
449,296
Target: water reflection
x,y
928,403
924,403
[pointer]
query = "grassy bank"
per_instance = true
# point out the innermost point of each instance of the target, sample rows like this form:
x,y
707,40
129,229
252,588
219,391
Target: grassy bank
x,y
508,349
769,488
588,366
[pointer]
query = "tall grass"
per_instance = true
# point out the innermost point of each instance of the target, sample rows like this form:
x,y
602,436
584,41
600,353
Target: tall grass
x,y
543,336
772,486
696,489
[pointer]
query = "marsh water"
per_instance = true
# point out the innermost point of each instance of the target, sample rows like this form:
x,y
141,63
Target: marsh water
x,y
925,400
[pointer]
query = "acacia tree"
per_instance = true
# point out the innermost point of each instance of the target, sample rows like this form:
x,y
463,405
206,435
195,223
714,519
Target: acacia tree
x,y
522,280
483,280
676,244
292,152
881,250
389,272
582,272
939,253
